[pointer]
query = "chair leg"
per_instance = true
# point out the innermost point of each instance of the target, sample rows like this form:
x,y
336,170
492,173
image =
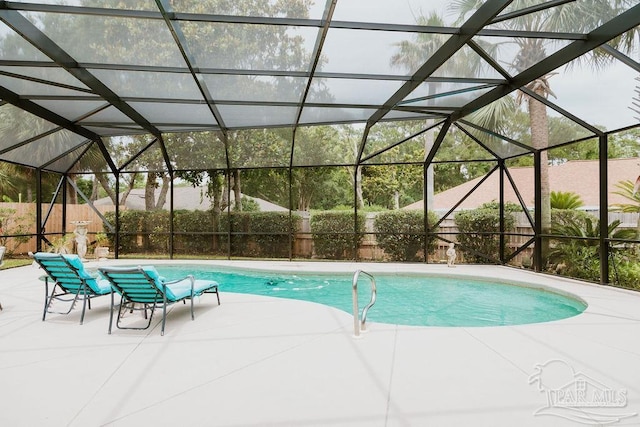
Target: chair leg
x,y
46,297
111,313
164,314
84,302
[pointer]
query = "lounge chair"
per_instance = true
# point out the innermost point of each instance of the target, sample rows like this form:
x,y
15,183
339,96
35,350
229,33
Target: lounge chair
x,y
71,282
143,286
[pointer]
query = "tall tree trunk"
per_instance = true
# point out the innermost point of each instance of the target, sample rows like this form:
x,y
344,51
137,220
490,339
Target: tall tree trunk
x,y
94,189
162,197
396,200
359,196
237,190
215,192
130,185
150,192
106,185
540,140
428,145
72,195
304,201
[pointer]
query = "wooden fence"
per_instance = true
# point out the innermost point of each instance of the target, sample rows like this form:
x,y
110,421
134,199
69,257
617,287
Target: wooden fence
x,y
20,218
24,214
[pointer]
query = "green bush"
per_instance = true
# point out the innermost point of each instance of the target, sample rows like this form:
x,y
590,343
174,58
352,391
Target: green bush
x,y
563,217
575,258
156,232
265,234
131,224
479,233
192,223
578,255
248,205
10,223
334,236
625,274
238,224
401,234
272,232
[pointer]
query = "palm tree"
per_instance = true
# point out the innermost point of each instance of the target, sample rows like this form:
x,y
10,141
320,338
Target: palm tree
x,y
580,17
565,200
627,190
410,56
577,256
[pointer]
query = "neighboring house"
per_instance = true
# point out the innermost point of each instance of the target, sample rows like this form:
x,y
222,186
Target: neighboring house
x,y
188,198
577,176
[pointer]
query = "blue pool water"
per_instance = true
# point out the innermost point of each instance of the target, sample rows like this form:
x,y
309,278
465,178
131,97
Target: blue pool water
x,y
405,300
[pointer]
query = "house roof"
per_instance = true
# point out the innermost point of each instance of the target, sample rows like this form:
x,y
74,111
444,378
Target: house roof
x,y
189,198
577,176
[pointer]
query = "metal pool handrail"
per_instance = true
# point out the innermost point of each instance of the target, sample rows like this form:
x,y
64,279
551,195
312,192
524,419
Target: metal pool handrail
x,y
359,325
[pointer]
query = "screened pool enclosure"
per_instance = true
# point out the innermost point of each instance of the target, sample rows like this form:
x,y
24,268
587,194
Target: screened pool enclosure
x,y
306,128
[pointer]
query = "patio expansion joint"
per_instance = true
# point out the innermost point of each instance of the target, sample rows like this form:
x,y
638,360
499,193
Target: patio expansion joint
x,y
393,364
494,350
204,383
107,380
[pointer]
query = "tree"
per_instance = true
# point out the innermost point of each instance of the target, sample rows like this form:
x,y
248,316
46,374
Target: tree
x,y
579,257
565,200
627,189
410,56
580,17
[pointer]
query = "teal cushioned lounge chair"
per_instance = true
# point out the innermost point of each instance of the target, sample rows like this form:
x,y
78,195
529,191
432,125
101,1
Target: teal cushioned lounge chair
x,y
71,282
143,286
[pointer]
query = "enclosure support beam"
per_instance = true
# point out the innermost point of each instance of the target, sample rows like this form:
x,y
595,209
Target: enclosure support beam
x,y
63,181
537,229
39,227
604,209
501,253
171,214
116,236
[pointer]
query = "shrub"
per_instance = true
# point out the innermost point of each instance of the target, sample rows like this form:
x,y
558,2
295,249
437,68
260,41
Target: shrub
x,y
130,225
565,200
334,236
563,217
479,233
153,226
260,233
578,256
625,274
156,231
192,223
272,231
10,224
401,234
248,205
239,225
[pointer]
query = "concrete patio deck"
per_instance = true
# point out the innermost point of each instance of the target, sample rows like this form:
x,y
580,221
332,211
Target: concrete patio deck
x,y
259,361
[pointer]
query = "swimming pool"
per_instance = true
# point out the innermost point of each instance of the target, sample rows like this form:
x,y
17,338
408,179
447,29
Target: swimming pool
x,y
402,299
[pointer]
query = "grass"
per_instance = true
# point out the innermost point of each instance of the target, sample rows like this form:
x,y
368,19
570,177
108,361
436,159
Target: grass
x,y
12,263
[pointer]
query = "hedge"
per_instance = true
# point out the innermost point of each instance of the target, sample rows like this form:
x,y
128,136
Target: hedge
x,y
479,233
401,234
334,236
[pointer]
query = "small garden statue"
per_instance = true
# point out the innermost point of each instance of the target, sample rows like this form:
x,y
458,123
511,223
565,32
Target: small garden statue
x,y
451,255
81,237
